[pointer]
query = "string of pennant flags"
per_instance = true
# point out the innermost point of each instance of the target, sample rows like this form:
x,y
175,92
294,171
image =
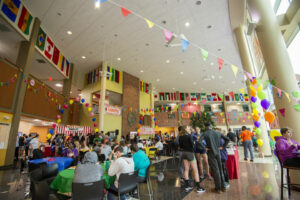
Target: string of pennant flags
x,y
185,43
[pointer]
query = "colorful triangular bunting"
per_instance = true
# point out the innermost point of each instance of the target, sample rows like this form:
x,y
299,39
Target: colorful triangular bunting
x,y
297,107
282,112
184,42
234,69
125,12
295,94
150,24
168,35
204,54
220,62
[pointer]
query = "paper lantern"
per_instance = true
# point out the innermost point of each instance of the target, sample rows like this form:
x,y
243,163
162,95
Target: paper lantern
x,y
253,93
49,136
53,125
258,131
255,117
269,117
265,104
255,111
141,121
89,109
51,131
260,142
261,95
66,106
257,124
71,101
96,130
95,124
274,133
253,99
82,100
50,79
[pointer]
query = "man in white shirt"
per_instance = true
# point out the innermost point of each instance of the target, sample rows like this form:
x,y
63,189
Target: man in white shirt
x,y
159,146
34,143
140,144
119,165
105,149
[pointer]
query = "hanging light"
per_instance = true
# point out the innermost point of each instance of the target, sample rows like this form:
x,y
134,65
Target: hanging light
x,y
97,4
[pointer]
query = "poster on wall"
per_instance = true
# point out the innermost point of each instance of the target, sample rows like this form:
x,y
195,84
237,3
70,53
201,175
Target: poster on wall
x,y
112,110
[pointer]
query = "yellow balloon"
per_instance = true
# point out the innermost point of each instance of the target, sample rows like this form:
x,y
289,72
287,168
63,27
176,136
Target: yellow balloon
x,y
58,121
89,109
260,142
255,111
71,101
274,133
96,130
49,136
138,130
156,126
260,88
251,87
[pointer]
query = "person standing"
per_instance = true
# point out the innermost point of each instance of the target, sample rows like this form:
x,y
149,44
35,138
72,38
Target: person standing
x,y
231,136
246,136
213,147
187,146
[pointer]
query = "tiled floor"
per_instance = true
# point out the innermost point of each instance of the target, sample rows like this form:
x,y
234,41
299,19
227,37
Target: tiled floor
x,y
258,180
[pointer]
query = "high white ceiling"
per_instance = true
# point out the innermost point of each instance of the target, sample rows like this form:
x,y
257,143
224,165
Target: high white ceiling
x,y
105,34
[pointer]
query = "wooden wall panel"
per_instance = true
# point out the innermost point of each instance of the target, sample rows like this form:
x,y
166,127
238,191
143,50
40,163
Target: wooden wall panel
x,y
7,71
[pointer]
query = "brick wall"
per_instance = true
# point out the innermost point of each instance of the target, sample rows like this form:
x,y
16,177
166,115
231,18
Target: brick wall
x,y
130,99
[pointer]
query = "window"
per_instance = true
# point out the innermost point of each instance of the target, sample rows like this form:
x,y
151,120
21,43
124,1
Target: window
x,y
245,108
294,49
283,7
207,108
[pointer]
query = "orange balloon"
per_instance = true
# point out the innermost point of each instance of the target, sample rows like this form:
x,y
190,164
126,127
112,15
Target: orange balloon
x,y
253,93
254,81
255,117
269,117
139,126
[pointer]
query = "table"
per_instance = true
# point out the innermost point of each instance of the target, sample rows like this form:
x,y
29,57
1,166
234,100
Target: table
x,y
63,162
147,150
63,181
233,164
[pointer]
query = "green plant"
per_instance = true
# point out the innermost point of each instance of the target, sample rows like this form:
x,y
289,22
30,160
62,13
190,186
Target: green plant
x,y
199,119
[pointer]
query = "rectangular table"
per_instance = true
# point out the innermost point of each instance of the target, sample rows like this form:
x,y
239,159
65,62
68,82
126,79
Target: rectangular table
x,y
233,164
63,162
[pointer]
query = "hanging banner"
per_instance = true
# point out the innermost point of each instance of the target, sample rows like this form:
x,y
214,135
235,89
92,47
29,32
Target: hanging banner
x,y
113,110
146,131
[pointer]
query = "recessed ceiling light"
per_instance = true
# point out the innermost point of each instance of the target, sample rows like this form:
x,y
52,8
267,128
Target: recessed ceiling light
x,y
213,76
157,80
69,32
181,73
36,120
58,85
194,83
142,71
97,4
173,88
167,61
187,24
70,92
118,59
83,57
211,63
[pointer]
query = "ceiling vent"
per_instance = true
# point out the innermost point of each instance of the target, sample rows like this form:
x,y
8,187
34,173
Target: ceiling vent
x,y
4,28
42,61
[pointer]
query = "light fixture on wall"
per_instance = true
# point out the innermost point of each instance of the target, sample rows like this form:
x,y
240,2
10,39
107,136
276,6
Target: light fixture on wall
x,y
58,85
97,4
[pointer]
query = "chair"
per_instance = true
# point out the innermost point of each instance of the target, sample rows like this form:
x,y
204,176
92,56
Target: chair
x,y
148,182
49,172
288,184
88,191
40,190
127,183
152,153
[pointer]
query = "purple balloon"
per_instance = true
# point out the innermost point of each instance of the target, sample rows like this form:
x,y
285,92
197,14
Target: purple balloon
x,y
265,104
257,124
253,99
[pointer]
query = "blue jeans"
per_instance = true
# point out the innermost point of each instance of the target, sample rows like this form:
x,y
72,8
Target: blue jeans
x,y
248,145
110,196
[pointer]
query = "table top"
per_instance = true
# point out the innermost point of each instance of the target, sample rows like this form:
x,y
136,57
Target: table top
x,y
50,159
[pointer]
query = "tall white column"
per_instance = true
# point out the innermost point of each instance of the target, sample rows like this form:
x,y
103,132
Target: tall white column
x,y
102,96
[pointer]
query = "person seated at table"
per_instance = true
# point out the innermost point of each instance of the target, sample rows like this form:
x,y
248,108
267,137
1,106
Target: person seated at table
x,y
287,148
71,152
119,165
141,162
105,149
38,153
160,147
140,144
125,147
88,171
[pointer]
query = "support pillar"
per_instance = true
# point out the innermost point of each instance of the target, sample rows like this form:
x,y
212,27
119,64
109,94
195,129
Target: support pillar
x,y
67,85
152,106
179,120
24,61
248,66
278,66
102,96
225,113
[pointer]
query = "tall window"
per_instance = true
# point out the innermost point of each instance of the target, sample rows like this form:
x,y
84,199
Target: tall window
x,y
294,49
280,6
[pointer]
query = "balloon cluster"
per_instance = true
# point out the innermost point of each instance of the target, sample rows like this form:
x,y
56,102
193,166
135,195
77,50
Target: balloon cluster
x,y
49,135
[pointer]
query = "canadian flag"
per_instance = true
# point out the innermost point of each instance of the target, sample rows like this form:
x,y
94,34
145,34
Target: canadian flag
x,y
49,48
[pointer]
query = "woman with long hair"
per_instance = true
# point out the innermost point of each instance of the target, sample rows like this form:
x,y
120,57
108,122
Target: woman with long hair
x,y
187,146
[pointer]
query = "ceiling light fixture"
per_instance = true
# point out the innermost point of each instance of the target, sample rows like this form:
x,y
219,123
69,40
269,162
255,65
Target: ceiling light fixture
x,y
173,88
194,83
36,120
211,63
181,73
213,76
58,85
69,32
97,4
167,61
142,71
118,59
187,24
83,57
157,80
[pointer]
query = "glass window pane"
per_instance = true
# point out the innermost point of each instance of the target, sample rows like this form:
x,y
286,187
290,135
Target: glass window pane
x,y
294,50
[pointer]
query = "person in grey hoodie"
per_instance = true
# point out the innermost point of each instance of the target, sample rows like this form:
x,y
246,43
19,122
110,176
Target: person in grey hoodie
x,y
89,171
287,148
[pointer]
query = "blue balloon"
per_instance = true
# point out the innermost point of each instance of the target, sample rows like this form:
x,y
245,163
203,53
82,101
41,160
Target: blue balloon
x,y
154,119
141,121
82,100
62,111
94,119
51,131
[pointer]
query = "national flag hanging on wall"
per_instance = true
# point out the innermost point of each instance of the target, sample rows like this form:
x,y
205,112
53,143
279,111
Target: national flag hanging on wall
x,y
198,96
56,54
214,96
117,76
67,68
61,63
108,70
187,96
147,88
236,97
40,42
25,21
161,96
112,74
203,96
141,86
193,97
246,97
97,74
182,96
49,46
11,8
241,97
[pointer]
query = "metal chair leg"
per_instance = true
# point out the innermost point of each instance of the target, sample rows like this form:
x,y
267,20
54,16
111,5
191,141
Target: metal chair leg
x,y
288,182
281,185
138,190
150,184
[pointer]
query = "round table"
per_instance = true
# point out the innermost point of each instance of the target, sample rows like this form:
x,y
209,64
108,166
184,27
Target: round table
x,y
63,181
63,162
